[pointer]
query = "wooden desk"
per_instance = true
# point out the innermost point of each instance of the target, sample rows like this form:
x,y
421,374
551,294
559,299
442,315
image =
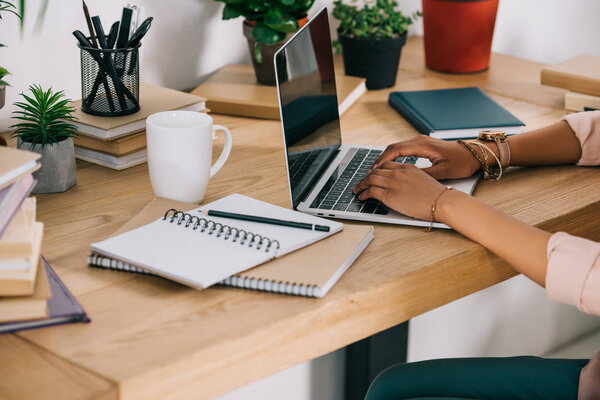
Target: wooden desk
x,y
154,339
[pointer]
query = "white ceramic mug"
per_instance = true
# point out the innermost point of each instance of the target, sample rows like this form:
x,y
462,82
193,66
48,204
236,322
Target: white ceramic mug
x,y
180,153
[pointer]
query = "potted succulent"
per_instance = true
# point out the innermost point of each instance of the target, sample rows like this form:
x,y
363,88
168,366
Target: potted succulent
x,y
458,34
371,38
44,129
267,25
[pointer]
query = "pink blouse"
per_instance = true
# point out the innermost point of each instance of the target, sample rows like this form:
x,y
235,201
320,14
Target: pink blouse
x,y
573,275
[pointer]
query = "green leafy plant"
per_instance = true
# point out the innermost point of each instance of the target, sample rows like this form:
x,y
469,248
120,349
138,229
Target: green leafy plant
x,y
378,19
3,73
272,20
6,6
44,115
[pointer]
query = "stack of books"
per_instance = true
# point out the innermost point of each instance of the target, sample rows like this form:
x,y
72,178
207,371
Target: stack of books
x,y
581,76
120,142
233,90
31,295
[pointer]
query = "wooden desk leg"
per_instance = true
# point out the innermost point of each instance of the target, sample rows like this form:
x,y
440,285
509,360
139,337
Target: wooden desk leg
x,y
368,357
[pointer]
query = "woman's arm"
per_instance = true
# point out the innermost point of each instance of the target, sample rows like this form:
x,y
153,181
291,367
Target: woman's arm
x,y
410,191
554,144
522,246
568,266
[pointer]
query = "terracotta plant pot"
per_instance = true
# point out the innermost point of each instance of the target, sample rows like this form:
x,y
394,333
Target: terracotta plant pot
x,y
265,70
374,59
58,170
458,34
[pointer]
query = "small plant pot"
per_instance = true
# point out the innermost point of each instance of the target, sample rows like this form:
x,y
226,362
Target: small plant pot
x,y
458,34
2,96
58,172
376,60
265,70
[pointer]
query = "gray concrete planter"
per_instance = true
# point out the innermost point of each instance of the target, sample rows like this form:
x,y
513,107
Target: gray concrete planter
x,y
58,172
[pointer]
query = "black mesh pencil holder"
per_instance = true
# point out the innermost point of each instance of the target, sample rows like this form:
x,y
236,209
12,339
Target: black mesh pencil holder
x,y
110,81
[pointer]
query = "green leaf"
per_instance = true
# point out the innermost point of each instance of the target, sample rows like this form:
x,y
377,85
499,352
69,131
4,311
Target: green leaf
x,y
264,34
257,53
281,22
231,11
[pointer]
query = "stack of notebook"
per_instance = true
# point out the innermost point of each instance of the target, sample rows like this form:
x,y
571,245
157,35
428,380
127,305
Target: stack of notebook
x,y
581,76
176,241
26,287
120,142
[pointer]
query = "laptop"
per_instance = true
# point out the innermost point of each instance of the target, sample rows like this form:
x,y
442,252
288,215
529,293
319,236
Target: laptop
x,y
322,171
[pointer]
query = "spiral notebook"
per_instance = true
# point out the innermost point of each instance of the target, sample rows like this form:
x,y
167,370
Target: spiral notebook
x,y
310,271
199,252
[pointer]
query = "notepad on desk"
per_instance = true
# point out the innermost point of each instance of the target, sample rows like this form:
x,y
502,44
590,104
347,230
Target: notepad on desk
x,y
199,252
454,113
310,271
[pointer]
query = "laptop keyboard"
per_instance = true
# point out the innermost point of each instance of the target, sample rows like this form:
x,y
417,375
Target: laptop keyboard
x,y
300,163
339,196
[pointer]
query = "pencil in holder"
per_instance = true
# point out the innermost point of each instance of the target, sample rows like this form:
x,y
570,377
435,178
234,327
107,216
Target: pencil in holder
x,y
110,81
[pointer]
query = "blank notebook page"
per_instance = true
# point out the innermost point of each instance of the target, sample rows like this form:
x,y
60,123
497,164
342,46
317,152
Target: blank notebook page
x,y
199,259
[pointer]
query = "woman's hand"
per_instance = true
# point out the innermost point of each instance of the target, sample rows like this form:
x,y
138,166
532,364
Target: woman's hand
x,y
402,187
450,159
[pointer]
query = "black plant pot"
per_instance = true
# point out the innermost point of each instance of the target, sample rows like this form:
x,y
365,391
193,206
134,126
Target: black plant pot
x,y
374,59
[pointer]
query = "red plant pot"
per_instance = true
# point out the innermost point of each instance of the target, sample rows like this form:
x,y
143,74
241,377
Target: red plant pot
x,y
458,34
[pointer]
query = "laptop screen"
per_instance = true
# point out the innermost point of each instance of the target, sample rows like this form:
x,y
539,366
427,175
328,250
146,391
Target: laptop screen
x,y
308,102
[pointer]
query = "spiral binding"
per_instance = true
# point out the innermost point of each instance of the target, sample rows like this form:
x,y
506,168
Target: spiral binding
x,y
240,281
252,240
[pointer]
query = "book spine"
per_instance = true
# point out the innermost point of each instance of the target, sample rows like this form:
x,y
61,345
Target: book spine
x,y
263,285
409,114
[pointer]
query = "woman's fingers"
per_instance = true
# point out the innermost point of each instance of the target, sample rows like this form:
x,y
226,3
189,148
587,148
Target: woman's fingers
x,y
379,179
373,192
419,147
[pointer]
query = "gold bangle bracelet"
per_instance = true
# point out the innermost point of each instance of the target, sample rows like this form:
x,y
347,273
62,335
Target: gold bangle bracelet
x,y
434,207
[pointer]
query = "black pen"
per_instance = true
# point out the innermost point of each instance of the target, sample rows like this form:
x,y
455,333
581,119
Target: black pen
x,y
264,220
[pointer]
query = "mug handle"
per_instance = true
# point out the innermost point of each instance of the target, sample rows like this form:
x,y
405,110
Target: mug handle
x,y
224,153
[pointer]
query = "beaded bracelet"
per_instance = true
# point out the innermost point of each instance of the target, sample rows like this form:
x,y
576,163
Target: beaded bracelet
x,y
488,174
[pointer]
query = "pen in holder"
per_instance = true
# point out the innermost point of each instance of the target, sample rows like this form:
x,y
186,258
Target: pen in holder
x,y
110,81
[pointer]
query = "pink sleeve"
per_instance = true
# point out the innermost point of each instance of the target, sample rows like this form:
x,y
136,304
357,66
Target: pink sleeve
x,y
573,275
586,126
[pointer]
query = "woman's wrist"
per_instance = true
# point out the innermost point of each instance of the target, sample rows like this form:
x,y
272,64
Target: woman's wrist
x,y
494,148
450,205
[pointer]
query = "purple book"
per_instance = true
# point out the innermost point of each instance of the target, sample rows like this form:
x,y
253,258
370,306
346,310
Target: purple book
x,y
63,308
12,197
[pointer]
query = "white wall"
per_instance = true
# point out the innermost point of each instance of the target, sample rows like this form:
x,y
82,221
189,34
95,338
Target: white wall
x,y
188,41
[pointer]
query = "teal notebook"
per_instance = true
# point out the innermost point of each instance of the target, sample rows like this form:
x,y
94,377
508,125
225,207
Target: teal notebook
x,y
454,113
